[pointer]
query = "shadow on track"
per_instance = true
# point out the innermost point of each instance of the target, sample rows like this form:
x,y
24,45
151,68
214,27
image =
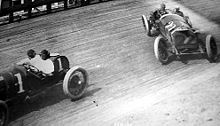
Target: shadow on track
x,y
47,98
190,57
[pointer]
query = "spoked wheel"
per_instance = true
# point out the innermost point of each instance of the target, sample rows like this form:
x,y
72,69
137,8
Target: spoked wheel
x,y
75,82
146,25
211,48
160,50
3,113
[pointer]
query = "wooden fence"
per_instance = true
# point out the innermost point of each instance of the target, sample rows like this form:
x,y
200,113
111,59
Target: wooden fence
x,y
9,7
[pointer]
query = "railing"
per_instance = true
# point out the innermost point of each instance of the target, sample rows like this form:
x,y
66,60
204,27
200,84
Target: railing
x,y
29,8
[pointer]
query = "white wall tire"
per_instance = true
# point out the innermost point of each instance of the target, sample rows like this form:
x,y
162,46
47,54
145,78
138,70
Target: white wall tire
x,y
160,50
211,48
146,25
3,113
75,82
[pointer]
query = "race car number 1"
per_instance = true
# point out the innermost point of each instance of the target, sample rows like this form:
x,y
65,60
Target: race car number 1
x,y
18,75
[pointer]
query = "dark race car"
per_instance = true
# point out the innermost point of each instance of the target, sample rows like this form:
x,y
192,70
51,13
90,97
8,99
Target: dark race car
x,y
176,36
24,82
151,22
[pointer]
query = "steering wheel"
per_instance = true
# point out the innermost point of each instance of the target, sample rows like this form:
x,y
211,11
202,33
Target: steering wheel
x,y
31,68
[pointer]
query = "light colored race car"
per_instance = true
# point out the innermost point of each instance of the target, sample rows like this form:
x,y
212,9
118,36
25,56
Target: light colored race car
x,y
175,36
25,82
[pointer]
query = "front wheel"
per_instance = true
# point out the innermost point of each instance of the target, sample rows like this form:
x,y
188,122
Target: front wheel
x,y
211,48
146,25
160,50
75,82
3,113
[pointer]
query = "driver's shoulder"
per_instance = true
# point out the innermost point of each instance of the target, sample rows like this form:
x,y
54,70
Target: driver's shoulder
x,y
54,54
36,60
37,57
48,63
156,10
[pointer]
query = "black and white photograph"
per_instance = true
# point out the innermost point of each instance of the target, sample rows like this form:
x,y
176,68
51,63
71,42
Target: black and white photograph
x,y
109,62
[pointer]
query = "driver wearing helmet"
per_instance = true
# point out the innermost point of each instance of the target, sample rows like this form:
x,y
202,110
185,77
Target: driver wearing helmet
x,y
45,65
41,62
162,10
32,58
154,16
177,11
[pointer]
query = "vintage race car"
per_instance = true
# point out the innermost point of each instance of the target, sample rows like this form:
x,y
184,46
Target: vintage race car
x,y
152,22
25,82
176,36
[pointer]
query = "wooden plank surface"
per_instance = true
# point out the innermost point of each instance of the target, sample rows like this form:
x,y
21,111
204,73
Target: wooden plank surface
x,y
109,41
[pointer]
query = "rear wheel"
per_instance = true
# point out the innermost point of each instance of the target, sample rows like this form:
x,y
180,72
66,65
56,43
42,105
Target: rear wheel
x,y
146,25
75,82
160,50
3,113
211,48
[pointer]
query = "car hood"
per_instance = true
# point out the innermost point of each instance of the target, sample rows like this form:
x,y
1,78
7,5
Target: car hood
x,y
182,27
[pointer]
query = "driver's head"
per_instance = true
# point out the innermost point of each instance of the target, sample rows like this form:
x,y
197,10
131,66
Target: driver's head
x,y
31,53
177,9
45,54
162,6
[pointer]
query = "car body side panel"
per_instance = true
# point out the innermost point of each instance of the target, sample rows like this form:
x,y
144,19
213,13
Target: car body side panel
x,y
60,63
177,31
15,81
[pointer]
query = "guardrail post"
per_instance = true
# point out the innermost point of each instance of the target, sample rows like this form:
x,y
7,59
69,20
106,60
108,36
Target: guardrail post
x,y
65,4
29,12
48,7
11,17
29,8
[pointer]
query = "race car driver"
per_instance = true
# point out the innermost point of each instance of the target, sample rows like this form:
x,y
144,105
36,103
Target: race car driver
x,y
45,65
177,11
32,58
41,62
162,10
155,15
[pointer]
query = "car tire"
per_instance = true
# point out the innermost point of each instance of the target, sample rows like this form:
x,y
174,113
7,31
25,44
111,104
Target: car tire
x,y
211,48
75,82
3,113
160,50
146,25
